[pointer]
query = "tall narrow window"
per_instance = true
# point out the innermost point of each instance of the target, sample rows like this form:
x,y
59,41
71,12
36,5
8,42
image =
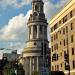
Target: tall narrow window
x,y
60,43
36,7
55,67
55,26
71,14
71,26
57,46
67,41
35,31
52,39
64,42
58,67
72,38
66,29
65,19
52,68
73,63
56,36
72,51
52,48
40,29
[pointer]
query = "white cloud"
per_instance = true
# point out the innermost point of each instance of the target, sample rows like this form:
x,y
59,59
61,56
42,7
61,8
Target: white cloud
x,y
15,28
14,3
51,9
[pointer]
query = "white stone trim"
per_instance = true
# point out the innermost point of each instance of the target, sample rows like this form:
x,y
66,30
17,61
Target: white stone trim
x,y
59,28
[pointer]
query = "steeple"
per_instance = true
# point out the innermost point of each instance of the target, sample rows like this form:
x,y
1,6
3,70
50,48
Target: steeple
x,y
37,11
37,44
37,5
37,17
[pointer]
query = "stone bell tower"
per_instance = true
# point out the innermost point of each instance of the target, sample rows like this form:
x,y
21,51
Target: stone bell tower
x,y
37,44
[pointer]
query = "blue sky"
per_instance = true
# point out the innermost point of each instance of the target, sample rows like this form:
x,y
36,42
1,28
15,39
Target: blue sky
x,y
13,20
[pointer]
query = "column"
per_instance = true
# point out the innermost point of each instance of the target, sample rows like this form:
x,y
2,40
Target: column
x,y
28,33
37,63
38,31
30,66
33,64
31,32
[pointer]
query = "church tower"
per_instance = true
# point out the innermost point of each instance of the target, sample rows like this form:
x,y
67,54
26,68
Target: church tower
x,y
37,45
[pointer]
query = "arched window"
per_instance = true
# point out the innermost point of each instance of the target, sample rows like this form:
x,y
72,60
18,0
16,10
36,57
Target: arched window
x,y
36,7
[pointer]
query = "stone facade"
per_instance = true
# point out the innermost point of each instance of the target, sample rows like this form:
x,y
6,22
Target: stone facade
x,y
63,38
37,48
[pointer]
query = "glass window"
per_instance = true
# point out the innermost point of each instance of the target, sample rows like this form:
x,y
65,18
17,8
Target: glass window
x,y
56,36
58,67
40,29
73,63
65,19
55,68
71,26
36,7
60,42
52,48
66,29
72,51
71,14
64,42
52,68
61,64
57,46
72,38
55,26
51,39
35,31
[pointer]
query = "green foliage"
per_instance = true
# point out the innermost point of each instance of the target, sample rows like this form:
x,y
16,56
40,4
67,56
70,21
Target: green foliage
x,y
9,69
36,73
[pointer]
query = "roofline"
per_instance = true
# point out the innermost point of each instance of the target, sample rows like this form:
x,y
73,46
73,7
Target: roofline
x,y
61,11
